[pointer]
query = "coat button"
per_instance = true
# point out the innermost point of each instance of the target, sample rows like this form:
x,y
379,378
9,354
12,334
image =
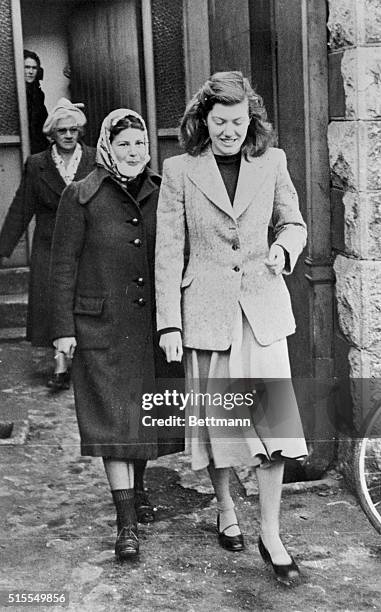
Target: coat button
x,y
141,302
137,242
140,281
135,221
236,268
235,247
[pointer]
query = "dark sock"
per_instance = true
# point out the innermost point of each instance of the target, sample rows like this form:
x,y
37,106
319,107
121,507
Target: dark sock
x,y
125,509
139,469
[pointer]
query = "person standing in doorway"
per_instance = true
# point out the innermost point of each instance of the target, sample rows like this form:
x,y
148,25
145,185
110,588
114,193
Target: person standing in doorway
x,y
35,98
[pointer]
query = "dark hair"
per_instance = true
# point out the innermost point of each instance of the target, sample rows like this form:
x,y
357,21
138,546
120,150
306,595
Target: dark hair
x,y
34,56
130,121
226,88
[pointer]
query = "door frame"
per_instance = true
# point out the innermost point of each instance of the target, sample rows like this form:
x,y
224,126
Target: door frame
x,y
18,50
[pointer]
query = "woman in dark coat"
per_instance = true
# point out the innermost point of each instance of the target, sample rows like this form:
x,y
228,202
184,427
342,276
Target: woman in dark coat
x,y
45,177
104,310
35,99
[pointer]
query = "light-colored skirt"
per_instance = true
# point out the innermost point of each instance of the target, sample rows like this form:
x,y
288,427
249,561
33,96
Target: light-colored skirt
x,y
229,419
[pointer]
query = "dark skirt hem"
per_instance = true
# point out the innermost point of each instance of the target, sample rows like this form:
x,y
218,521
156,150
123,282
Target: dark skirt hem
x,y
133,451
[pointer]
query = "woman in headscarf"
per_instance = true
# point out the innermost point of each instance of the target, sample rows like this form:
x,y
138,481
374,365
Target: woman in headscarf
x,y
35,99
104,314
44,178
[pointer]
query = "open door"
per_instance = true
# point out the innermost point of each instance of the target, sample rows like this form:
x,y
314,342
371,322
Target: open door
x,y
106,59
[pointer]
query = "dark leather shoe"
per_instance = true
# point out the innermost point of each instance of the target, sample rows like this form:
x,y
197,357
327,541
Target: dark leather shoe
x,y
232,543
286,574
145,512
127,543
59,382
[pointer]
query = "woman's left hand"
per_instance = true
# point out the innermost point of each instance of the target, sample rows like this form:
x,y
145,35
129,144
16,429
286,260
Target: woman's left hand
x,y
276,259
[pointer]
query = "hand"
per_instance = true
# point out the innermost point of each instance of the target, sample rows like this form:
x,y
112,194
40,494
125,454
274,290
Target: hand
x,y
172,346
276,259
3,261
65,346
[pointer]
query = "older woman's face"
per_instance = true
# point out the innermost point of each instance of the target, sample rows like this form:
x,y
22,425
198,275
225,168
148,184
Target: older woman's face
x,y
227,127
30,69
66,135
129,146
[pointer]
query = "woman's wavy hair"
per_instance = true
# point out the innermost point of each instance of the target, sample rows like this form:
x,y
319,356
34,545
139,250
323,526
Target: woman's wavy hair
x,y
226,88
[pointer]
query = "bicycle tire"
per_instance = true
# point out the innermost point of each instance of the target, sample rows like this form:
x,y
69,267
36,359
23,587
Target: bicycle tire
x,y
367,468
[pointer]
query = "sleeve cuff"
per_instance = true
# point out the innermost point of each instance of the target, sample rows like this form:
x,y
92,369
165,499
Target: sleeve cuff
x,y
168,330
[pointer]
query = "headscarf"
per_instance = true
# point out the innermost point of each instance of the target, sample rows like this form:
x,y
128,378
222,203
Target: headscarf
x,y
105,155
63,109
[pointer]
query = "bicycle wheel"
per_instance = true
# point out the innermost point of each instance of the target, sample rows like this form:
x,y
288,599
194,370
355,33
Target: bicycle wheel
x,y
367,468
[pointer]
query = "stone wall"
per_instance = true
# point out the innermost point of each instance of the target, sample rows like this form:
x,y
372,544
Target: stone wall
x,y
9,117
354,138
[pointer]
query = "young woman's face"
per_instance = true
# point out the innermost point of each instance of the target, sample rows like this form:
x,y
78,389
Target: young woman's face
x,y
227,127
129,146
30,69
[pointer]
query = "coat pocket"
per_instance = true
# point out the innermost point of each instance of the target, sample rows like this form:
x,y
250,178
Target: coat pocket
x,y
90,306
91,322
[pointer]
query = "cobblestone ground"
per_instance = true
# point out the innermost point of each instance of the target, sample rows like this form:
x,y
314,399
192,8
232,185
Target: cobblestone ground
x,y
58,530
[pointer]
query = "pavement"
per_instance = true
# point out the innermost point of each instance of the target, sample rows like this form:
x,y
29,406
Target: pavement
x,y
58,525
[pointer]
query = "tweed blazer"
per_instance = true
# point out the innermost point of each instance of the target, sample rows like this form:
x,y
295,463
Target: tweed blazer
x,y
228,246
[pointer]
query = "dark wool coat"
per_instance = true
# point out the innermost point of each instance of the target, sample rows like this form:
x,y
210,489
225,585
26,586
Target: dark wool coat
x,y
37,115
102,293
38,195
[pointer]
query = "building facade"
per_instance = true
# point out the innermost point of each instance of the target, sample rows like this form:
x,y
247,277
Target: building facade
x,y
317,64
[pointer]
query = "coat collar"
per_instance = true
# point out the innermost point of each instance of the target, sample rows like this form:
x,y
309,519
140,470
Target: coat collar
x,y
90,186
52,177
203,171
151,183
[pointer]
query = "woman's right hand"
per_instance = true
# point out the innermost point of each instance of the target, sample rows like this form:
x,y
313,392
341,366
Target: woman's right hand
x,y
65,346
172,345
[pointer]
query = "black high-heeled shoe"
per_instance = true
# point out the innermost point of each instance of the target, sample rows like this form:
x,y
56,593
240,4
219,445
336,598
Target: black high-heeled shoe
x,y
145,512
286,574
127,543
232,543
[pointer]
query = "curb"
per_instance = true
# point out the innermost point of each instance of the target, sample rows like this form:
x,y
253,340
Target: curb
x,y
327,483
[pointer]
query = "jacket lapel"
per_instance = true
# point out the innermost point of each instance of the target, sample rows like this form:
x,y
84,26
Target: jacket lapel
x,y
252,175
204,173
150,184
50,174
89,187
83,167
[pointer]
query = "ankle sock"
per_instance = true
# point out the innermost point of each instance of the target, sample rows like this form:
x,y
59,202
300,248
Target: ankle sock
x,y
125,509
